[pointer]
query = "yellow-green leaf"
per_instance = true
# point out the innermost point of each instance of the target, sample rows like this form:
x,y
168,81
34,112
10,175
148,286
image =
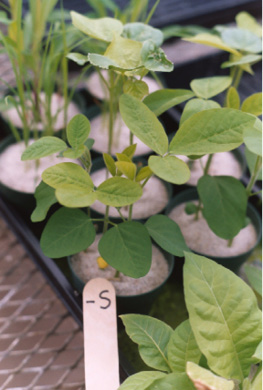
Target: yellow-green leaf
x,y
103,28
75,197
208,87
232,98
110,163
170,168
143,173
118,192
246,21
124,52
212,40
205,379
127,168
253,104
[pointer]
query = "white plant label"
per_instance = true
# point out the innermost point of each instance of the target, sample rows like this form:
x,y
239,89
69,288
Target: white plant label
x,y
100,336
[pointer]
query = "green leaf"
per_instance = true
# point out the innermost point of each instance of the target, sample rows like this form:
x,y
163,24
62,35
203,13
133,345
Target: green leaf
x,y
45,198
197,105
232,98
212,40
69,196
43,147
137,89
163,99
170,168
254,277
172,381
183,348
130,150
79,58
224,316
242,39
247,59
141,380
142,32
208,87
154,58
143,174
69,174
251,159
67,232
225,202
127,247
257,382
102,62
128,169
118,192
258,352
110,163
78,130
74,153
211,131
253,139
248,22
167,234
123,157
253,104
103,29
124,52
152,336
203,378
143,123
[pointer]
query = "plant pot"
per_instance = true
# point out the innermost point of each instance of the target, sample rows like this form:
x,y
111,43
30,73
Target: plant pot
x,y
165,191
232,262
137,303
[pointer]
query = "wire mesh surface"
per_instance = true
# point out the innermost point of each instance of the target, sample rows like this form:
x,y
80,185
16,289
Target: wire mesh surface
x,y
41,346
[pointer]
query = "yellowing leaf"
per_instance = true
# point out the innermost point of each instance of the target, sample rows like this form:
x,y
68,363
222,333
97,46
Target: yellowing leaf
x,y
103,28
205,379
127,168
124,52
212,40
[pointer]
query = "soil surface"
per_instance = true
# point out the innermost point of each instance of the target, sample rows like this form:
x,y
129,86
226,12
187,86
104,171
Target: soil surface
x,y
200,238
223,164
86,267
57,103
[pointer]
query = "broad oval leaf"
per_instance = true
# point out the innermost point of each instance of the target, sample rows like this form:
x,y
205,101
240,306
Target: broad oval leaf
x,y
126,53
232,98
152,337
224,316
197,105
246,21
253,104
103,28
208,87
137,88
74,153
170,168
101,61
127,247
45,198
141,380
183,348
167,234
163,99
69,196
212,40
242,39
224,201
143,123
211,131
203,378
45,146
142,32
69,174
67,232
118,192
128,169
78,130
253,140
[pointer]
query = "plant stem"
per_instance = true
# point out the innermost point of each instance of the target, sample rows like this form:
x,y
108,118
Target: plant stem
x,y
130,212
106,220
208,163
230,242
237,77
254,176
